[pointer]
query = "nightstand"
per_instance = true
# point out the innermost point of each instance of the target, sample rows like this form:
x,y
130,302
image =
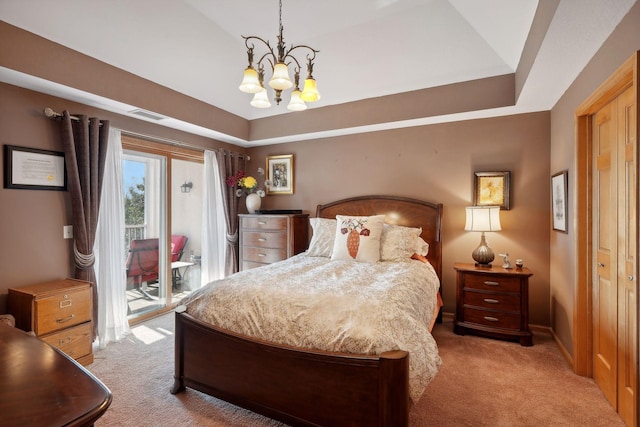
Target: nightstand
x,y
265,239
59,313
493,302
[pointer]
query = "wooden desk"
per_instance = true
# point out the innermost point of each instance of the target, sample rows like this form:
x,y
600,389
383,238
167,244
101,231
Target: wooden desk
x,y
41,386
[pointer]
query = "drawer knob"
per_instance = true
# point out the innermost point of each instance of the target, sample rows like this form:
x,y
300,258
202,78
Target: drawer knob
x,y
491,319
262,222
491,301
262,255
65,319
262,239
488,283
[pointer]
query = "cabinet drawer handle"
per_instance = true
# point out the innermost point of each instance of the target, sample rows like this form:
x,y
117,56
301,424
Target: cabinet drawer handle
x,y
65,303
491,319
262,222
491,301
262,255
64,341
488,283
262,239
65,319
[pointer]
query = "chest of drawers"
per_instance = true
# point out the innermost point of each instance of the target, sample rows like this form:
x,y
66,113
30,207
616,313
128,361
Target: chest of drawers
x,y
59,313
265,239
493,302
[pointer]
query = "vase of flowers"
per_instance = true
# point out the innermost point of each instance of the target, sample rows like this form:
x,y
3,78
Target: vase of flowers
x,y
248,185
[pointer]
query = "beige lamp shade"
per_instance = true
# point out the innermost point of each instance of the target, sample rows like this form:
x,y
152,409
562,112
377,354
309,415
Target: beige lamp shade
x,y
296,103
483,218
310,92
280,79
250,82
260,99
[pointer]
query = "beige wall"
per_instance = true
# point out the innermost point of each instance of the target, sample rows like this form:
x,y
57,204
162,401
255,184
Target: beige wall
x,y
624,41
32,248
436,163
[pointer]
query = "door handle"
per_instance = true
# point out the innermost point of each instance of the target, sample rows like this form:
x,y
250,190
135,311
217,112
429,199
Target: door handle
x,y
630,277
600,264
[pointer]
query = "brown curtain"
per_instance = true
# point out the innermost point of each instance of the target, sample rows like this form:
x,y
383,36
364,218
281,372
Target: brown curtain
x,y
230,163
85,145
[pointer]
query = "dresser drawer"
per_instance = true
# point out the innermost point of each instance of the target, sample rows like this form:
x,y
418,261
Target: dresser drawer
x,y
263,255
264,239
62,310
494,301
264,223
75,341
492,283
494,319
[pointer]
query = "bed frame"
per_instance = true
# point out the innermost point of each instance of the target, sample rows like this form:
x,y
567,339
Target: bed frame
x,y
298,386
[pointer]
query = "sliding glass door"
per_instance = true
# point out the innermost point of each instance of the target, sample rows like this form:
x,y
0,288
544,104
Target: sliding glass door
x,y
163,216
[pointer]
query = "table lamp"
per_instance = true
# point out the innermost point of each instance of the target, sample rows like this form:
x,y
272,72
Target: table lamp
x,y
483,218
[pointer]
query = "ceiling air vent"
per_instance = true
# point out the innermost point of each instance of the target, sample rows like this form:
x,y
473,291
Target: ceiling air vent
x,y
147,114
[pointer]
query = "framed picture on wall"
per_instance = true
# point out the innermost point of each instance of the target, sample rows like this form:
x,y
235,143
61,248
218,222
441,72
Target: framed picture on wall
x,y
559,206
34,169
280,174
492,189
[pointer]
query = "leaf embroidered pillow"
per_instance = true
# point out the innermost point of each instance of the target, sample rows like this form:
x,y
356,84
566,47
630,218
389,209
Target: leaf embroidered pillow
x,y
358,238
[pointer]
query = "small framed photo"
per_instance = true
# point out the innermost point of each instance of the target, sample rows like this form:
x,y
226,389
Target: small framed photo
x,y
559,206
492,189
34,169
280,174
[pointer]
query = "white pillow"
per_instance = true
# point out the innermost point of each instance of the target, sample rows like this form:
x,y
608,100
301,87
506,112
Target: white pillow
x,y
324,233
398,243
358,238
422,247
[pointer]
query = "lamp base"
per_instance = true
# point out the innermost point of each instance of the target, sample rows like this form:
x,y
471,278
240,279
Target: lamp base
x,y
483,255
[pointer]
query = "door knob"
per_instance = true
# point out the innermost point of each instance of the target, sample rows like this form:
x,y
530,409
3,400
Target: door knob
x,y
600,264
630,277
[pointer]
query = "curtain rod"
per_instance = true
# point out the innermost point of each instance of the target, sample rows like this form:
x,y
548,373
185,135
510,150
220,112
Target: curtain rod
x,y
53,115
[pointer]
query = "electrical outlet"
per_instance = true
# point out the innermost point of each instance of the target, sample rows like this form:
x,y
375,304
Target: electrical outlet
x,y
67,231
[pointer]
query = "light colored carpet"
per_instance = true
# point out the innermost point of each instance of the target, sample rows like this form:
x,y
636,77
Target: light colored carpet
x,y
482,382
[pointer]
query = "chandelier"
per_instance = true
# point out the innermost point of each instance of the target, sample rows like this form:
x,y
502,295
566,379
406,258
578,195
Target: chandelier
x,y
253,81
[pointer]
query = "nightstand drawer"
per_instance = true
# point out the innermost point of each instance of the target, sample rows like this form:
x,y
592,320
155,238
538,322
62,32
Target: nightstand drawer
x,y
494,301
492,283
264,222
75,341
62,310
495,319
263,255
264,240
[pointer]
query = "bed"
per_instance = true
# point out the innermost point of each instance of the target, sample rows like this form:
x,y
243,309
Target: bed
x,y
297,385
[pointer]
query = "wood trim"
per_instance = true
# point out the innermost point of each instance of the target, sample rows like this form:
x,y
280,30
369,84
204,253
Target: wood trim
x,y
164,149
625,77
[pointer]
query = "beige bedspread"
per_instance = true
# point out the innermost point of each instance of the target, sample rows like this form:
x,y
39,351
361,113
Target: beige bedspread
x,y
345,306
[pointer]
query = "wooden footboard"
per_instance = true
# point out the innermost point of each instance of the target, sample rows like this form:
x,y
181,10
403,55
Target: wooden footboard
x,y
297,387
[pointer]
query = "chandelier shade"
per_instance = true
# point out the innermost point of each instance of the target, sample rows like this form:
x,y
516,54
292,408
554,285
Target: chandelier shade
x,y
261,99
250,82
253,79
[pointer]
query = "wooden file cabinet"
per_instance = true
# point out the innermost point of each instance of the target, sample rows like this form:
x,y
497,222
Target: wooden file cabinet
x,y
265,239
59,313
493,302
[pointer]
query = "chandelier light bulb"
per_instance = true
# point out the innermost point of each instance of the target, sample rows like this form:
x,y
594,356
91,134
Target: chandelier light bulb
x,y
260,99
250,82
296,103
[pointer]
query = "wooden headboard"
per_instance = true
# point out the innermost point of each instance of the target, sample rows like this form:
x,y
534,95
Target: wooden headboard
x,y
399,211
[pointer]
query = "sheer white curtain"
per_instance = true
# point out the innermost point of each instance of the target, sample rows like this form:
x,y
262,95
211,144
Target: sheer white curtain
x,y
109,249
213,222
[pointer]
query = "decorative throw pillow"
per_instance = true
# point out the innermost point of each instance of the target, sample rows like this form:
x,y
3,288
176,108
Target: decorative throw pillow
x,y
398,243
324,233
422,247
358,238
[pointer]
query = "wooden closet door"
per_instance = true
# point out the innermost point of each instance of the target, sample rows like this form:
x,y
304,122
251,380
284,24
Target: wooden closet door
x,y
605,292
627,280
614,237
